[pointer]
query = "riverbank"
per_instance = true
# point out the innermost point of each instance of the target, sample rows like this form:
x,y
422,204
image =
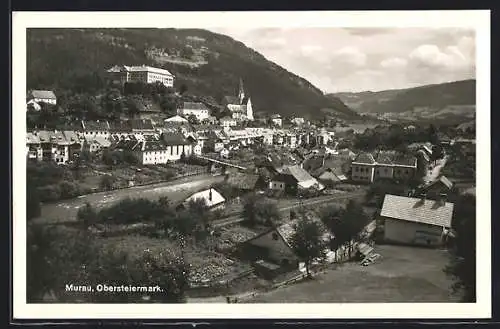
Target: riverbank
x,y
66,210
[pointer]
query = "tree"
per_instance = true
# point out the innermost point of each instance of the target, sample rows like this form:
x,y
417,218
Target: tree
x,y
355,220
193,119
307,243
87,215
56,256
462,266
32,201
107,182
257,210
182,89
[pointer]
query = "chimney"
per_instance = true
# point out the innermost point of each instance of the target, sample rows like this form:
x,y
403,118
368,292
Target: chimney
x,y
210,195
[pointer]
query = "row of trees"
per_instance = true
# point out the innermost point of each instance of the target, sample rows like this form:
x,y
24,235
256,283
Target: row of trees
x,y
57,257
192,219
394,138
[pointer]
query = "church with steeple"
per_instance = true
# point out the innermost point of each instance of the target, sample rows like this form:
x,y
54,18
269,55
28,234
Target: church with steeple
x,y
240,106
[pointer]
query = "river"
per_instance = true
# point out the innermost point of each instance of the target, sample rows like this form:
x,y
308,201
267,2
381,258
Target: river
x,y
177,190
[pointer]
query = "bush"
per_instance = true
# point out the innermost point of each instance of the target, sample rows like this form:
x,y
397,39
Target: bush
x,y
69,190
49,193
107,182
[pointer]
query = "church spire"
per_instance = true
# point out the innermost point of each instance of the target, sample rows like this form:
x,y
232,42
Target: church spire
x,y
241,92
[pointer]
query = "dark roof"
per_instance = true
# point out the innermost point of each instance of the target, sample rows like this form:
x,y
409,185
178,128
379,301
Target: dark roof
x,y
298,173
95,125
194,106
384,158
364,158
404,160
243,181
152,145
126,144
141,124
175,139
120,126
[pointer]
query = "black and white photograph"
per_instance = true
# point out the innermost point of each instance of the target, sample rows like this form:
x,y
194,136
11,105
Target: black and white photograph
x,y
251,162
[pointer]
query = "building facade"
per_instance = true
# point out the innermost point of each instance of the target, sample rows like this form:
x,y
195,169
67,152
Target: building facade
x,y
199,110
144,74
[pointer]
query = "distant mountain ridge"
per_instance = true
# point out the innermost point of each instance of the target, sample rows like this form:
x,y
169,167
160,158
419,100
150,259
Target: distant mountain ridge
x,y
208,64
451,96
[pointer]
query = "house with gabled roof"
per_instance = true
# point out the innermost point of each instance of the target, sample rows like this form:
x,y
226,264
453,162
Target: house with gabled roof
x,y
198,109
42,96
95,128
273,248
385,165
417,221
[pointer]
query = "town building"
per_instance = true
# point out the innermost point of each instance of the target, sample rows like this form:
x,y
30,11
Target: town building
x,y
177,146
198,109
42,96
240,106
293,179
95,128
244,182
34,151
272,251
54,146
32,105
416,221
365,169
145,74
95,144
277,120
298,121
228,121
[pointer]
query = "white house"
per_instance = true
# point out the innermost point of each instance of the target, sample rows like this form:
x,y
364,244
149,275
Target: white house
x,y
416,221
145,74
96,129
43,96
211,197
199,110
277,120
32,104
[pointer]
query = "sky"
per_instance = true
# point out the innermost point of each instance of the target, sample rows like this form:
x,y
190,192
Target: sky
x,y
362,59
